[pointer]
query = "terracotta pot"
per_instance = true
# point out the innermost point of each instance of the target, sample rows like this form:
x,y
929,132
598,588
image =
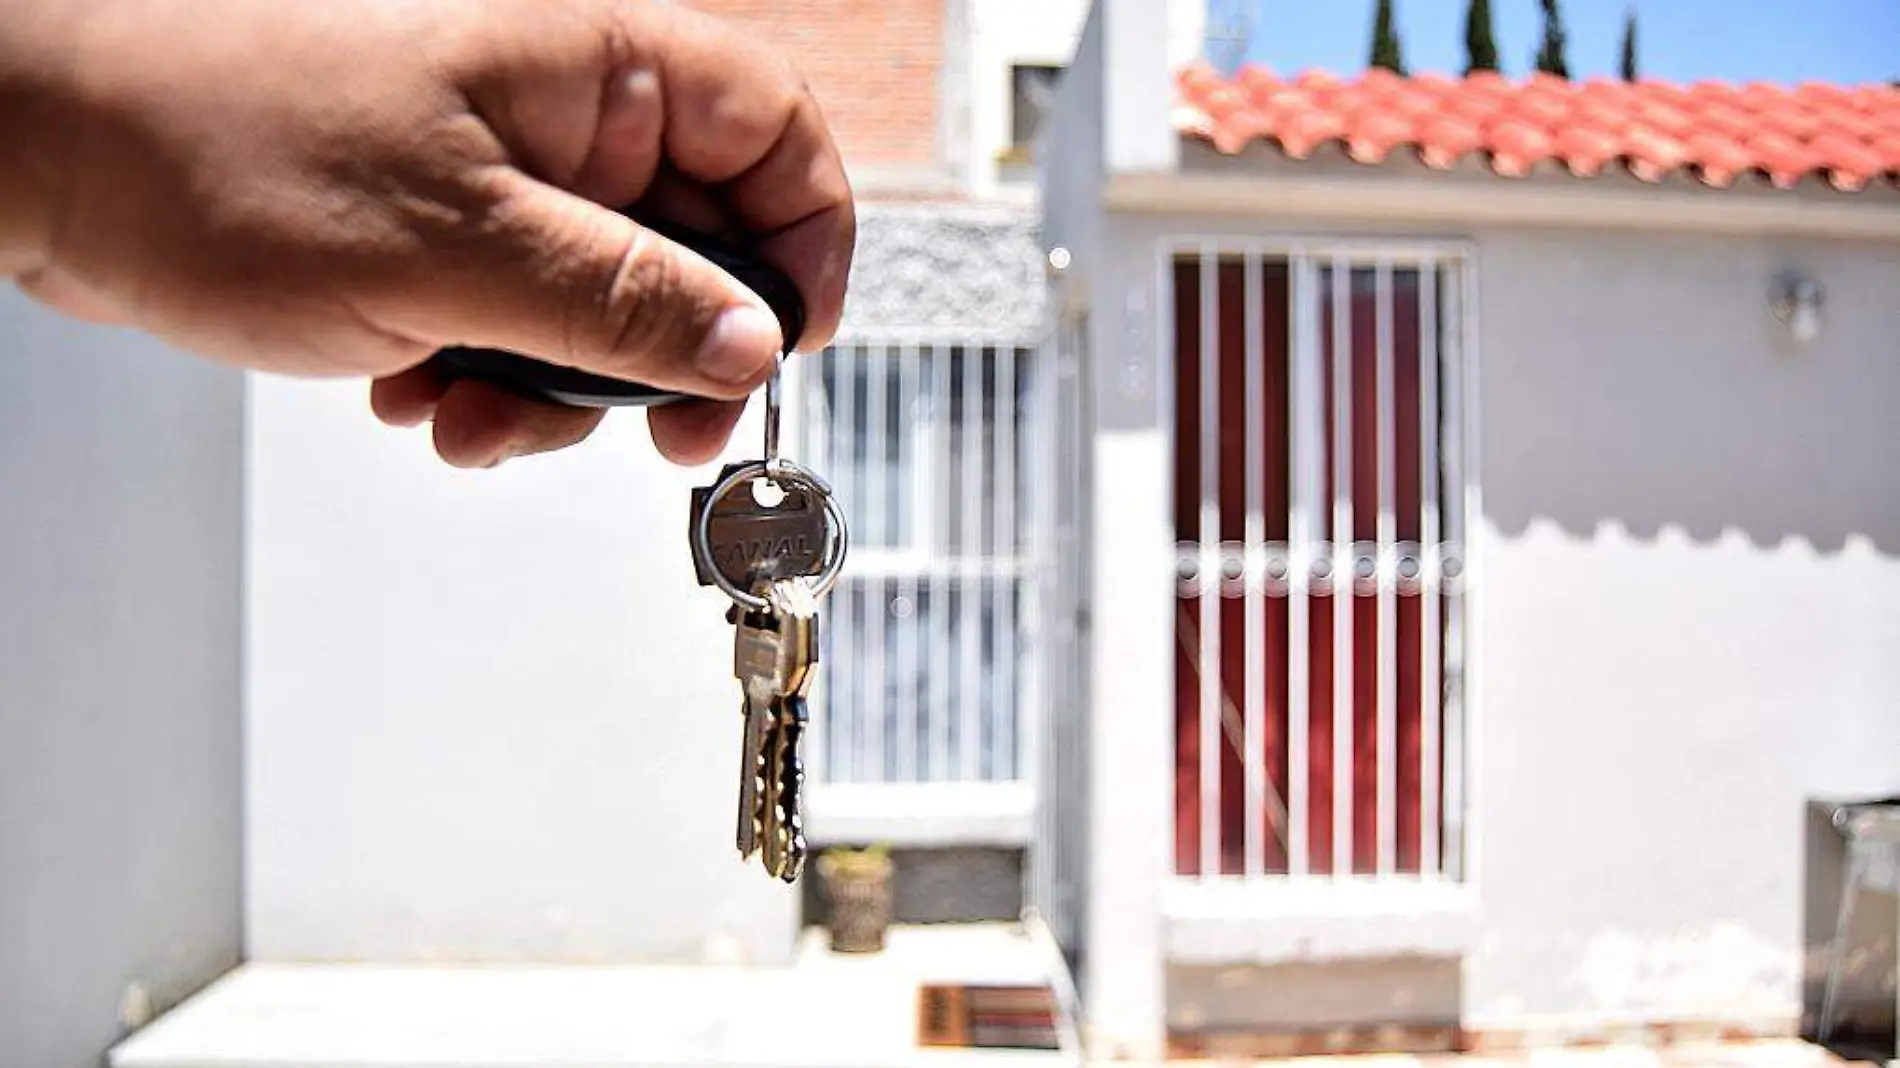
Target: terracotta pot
x,y
859,893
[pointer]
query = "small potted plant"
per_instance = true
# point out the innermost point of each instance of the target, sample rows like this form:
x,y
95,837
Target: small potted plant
x,y
857,885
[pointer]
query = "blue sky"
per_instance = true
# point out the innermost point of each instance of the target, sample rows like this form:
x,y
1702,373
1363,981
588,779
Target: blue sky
x,y
1679,40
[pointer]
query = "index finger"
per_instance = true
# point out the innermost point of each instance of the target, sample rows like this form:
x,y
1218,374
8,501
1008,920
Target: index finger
x,y
739,117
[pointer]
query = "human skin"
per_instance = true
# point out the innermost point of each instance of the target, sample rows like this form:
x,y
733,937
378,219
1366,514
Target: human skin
x,y
341,188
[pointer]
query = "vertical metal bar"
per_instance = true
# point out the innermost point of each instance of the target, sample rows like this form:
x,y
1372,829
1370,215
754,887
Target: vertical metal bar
x,y
1428,592
1388,801
1306,468
880,484
1210,652
906,472
1256,538
942,679
1007,573
809,415
1458,336
970,585
1344,799
845,725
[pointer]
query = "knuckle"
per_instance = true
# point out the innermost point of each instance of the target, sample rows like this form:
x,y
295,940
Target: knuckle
x,y
645,313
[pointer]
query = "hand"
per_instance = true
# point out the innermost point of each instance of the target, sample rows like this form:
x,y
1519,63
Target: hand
x,y
341,188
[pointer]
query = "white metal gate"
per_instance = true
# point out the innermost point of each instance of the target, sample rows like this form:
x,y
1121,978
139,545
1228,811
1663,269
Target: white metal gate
x,y
1320,511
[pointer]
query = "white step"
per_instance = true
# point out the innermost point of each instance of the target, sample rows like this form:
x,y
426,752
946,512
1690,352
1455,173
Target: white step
x,y
825,1010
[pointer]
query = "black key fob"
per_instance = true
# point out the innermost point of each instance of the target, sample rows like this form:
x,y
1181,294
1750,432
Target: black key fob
x,y
551,383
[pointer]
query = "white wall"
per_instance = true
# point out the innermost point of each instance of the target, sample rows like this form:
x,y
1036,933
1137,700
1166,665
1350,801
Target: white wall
x,y
1004,33
1690,596
1158,38
491,716
1688,602
120,553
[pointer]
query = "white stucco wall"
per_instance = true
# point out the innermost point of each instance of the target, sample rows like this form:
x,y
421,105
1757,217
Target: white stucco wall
x,y
1690,585
1004,33
1155,38
1689,570
121,542
491,716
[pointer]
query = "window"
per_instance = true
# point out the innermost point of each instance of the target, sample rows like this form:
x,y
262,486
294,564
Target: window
x,y
1318,720
927,449
1032,100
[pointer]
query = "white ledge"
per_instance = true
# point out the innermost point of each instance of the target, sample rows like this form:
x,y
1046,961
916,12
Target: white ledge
x,y
1283,921
1423,200
825,1010
921,814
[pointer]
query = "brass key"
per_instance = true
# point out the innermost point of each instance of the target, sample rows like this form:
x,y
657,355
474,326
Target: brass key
x,y
776,652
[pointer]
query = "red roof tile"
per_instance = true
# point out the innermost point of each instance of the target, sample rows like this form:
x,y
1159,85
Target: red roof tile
x,y
1848,135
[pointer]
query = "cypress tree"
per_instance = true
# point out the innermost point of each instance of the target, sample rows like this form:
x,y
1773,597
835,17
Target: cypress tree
x,y
1550,56
1481,44
1629,46
1386,51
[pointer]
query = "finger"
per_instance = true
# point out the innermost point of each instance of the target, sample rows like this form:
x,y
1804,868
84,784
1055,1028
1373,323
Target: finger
x,y
477,425
692,433
408,398
626,148
555,276
739,116
688,204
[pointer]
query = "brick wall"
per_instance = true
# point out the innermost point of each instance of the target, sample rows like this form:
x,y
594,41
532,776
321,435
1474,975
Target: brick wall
x,y
873,64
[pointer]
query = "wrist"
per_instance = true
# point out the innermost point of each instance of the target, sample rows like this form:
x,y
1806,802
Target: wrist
x,y
33,137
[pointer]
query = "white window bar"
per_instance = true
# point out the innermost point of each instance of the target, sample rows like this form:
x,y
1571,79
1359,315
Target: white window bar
x,y
876,593
1459,337
1307,469
1429,587
848,683
941,767
1387,592
804,420
1344,568
1256,608
1210,654
970,585
1004,582
912,616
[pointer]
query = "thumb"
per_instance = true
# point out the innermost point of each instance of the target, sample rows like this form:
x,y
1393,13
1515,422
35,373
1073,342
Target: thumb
x,y
562,279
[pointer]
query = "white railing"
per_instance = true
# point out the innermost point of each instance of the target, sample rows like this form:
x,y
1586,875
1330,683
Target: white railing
x,y
1318,415
928,659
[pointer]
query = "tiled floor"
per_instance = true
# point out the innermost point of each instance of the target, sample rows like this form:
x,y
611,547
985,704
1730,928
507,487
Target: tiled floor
x,y
825,1011
1766,1054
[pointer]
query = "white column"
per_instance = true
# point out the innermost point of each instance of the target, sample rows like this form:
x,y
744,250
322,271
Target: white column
x,y
1137,87
1131,695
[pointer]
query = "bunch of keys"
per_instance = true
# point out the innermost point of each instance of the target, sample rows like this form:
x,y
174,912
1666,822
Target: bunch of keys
x,y
774,549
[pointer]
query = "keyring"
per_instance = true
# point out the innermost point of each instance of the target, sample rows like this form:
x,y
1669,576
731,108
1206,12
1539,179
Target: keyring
x,y
774,470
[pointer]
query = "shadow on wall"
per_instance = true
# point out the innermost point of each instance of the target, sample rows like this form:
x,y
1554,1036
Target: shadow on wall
x,y
1642,384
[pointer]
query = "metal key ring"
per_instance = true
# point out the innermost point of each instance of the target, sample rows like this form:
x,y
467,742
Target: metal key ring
x,y
772,470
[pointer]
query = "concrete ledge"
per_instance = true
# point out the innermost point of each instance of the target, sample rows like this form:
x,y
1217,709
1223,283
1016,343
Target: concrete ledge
x,y
1276,922
921,814
824,1010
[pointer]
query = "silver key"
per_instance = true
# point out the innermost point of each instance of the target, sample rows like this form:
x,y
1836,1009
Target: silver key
x,y
755,662
774,559
775,653
783,827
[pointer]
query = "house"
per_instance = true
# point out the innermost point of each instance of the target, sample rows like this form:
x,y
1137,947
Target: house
x,y
426,764
283,693
1492,520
